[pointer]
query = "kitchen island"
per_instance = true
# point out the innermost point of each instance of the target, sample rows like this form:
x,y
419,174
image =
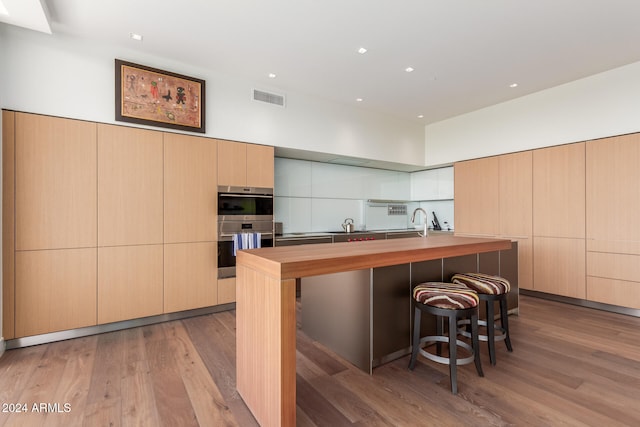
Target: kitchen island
x,y
265,307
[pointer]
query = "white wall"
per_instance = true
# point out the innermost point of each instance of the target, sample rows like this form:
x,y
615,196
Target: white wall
x,y
602,105
58,76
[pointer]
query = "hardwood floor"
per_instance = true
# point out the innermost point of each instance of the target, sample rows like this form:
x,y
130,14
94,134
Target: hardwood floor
x,y
570,366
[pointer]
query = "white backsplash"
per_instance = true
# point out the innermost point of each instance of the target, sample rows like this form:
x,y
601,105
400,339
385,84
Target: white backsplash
x,y
318,197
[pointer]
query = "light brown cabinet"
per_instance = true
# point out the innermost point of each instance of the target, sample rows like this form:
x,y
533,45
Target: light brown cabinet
x,y
260,166
190,189
130,283
105,223
190,221
559,191
55,290
190,276
477,197
55,167
559,220
227,290
613,193
493,198
613,229
130,192
241,164
559,266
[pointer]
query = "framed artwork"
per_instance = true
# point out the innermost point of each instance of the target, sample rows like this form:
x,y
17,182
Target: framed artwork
x,y
149,96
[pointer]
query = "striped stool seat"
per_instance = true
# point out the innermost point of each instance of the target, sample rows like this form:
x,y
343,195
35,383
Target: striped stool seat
x,y
483,283
452,301
489,289
450,296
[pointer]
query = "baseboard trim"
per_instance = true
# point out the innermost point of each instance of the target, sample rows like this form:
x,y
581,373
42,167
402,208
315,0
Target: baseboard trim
x,y
110,327
583,303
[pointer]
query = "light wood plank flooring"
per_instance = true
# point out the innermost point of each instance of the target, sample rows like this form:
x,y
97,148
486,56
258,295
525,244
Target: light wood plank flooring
x,y
570,366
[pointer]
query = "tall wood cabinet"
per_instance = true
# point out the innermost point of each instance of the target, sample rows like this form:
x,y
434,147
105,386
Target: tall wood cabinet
x,y
559,220
55,183
190,221
477,197
55,224
241,164
493,198
130,187
612,225
104,223
516,182
130,223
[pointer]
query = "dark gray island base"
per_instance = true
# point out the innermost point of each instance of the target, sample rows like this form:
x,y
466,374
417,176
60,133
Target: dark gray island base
x,y
366,315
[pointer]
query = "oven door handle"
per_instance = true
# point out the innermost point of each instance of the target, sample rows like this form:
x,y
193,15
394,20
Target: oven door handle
x,y
255,196
229,236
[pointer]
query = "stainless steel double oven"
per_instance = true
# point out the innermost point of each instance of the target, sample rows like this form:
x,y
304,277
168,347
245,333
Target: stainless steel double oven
x,y
242,210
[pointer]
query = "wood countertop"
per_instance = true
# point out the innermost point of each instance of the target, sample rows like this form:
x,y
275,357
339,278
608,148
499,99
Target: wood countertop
x,y
288,262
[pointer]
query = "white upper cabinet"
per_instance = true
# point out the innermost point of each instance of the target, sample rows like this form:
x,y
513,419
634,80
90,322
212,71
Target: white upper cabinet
x,y
433,184
292,178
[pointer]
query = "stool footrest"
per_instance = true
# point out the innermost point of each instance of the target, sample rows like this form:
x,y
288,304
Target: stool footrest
x,y
500,332
445,360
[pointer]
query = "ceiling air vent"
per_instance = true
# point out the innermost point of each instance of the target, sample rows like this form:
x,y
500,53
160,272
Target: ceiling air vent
x,y
269,98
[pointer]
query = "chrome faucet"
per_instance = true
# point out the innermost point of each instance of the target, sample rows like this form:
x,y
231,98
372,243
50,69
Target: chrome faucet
x,y
413,221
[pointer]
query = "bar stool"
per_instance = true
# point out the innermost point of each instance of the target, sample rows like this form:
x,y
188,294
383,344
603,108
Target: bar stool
x,y
453,301
490,289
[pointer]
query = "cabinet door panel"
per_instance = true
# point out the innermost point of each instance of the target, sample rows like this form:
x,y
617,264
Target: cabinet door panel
x,y
227,290
232,163
613,266
260,166
55,290
516,201
559,191
615,292
129,186
559,266
613,194
190,276
190,185
55,183
476,203
129,282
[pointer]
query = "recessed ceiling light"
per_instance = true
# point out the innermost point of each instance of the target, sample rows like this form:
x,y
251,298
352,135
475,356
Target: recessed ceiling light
x,y
137,37
408,69
358,99
272,76
362,50
421,116
513,85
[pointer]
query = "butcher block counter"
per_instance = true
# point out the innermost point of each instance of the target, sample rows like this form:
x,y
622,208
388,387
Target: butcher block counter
x,y
266,310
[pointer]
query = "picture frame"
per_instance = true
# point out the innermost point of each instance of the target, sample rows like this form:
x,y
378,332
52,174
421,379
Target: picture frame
x,y
154,97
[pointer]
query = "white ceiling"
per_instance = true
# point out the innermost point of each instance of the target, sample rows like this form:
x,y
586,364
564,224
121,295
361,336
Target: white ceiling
x,y
465,53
